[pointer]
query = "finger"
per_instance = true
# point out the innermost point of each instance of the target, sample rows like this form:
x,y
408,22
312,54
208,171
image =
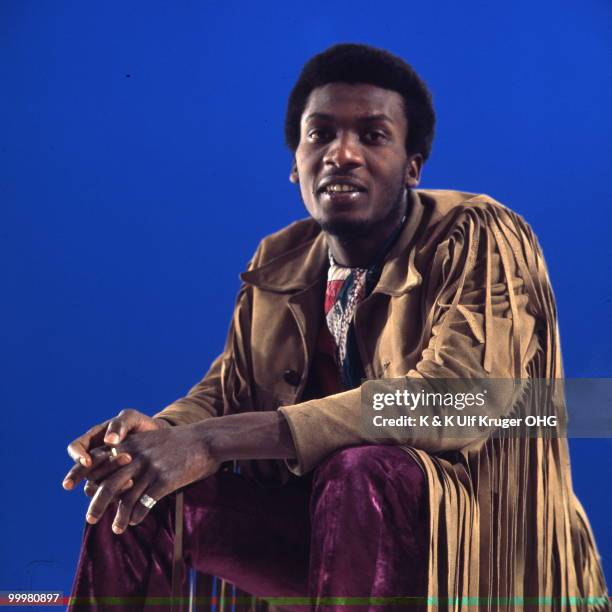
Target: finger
x,y
127,486
107,491
102,464
91,487
119,427
156,491
112,464
127,503
77,472
79,449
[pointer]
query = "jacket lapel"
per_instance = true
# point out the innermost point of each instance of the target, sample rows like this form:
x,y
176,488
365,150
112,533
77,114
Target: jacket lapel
x,y
298,277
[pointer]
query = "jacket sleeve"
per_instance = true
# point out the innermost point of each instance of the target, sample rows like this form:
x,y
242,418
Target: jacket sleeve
x,y
478,323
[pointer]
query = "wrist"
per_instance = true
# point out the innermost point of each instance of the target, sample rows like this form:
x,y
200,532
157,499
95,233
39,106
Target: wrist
x,y
211,437
249,435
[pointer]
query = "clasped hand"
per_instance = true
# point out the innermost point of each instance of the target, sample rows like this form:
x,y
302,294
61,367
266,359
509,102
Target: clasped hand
x,y
151,458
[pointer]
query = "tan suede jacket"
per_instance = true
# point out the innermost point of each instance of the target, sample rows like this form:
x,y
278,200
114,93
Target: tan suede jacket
x,y
407,326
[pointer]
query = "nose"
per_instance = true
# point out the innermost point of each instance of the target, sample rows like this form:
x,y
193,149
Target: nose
x,y
344,151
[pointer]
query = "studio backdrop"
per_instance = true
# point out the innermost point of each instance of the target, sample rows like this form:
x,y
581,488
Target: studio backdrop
x,y
142,159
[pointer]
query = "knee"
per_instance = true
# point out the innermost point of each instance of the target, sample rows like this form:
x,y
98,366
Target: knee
x,y
353,462
377,466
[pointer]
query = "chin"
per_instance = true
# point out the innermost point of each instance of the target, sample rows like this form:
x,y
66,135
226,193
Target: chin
x,y
345,228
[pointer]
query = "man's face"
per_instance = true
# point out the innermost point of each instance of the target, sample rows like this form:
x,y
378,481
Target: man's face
x,y
351,161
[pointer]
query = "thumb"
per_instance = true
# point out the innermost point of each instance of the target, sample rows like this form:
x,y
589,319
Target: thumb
x,y
120,426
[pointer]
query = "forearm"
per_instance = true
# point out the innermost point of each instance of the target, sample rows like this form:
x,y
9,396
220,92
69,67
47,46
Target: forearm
x,y
250,435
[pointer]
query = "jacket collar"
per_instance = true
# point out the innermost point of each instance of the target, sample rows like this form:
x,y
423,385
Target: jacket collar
x,y
302,267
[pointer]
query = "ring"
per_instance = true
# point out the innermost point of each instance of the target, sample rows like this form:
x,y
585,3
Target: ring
x,y
147,501
113,452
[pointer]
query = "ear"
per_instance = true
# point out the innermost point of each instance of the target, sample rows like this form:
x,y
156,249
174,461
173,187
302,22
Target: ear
x,y
413,170
293,175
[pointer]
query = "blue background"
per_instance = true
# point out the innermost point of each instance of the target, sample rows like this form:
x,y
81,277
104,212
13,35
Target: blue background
x,y
142,158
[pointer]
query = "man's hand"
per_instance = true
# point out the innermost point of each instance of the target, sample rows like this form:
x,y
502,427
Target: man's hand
x,y
110,432
158,461
162,461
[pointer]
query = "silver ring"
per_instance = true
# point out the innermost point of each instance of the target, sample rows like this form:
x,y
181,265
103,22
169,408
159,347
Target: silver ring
x,y
147,501
113,452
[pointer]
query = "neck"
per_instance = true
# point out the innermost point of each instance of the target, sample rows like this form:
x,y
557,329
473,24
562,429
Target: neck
x,y
362,251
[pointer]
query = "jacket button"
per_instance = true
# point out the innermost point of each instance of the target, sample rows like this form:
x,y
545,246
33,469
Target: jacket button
x,y
291,377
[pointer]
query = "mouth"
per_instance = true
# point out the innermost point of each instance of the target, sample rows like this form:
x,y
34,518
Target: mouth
x,y
341,189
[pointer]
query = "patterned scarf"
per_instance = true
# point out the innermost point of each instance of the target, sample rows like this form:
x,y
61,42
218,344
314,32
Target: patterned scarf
x,y
346,287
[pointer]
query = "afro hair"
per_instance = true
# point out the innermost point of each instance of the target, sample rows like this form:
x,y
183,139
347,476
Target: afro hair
x,y
357,63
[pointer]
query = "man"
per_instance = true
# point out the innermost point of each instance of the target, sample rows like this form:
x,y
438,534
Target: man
x,y
382,281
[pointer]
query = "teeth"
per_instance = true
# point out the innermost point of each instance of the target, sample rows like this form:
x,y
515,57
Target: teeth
x,y
338,187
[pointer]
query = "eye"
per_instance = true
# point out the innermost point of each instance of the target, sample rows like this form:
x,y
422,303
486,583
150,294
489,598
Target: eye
x,y
319,134
375,137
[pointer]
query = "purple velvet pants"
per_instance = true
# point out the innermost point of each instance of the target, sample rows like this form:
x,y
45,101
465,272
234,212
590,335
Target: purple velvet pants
x,y
357,528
